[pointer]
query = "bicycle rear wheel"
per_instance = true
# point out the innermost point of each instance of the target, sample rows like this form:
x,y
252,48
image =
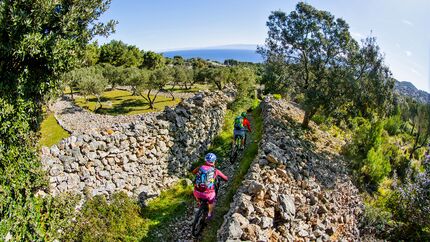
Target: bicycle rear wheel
x,y
233,155
199,220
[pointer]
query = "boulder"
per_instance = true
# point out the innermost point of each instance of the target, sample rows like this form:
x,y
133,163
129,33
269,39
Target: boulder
x,y
240,219
255,187
286,207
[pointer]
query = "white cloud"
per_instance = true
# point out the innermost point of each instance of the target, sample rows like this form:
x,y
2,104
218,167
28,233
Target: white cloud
x,y
397,45
407,22
408,53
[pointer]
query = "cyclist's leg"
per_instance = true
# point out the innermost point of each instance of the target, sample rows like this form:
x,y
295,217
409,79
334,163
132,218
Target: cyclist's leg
x,y
196,196
234,137
211,203
243,138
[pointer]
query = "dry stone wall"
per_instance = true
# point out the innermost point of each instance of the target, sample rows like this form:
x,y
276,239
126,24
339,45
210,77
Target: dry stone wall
x,y
140,158
297,189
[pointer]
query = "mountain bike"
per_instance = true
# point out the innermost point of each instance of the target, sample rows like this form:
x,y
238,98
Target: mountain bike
x,y
201,215
237,147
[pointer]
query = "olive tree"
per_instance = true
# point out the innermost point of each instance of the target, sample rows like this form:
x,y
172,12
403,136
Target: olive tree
x,y
91,82
218,76
136,77
71,79
243,79
184,76
150,88
114,75
315,45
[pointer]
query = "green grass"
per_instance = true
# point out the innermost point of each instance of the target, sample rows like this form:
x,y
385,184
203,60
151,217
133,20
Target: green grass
x,y
51,131
194,88
118,102
250,153
170,204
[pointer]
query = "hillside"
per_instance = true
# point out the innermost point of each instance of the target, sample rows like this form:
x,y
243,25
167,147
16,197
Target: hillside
x,y
408,89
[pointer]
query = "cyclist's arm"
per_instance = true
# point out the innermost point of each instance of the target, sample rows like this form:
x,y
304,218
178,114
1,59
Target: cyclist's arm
x,y
219,173
247,124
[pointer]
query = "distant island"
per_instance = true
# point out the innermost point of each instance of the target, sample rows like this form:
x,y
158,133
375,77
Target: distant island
x,y
245,55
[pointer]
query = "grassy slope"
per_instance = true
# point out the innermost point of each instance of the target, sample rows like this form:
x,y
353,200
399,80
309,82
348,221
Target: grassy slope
x,y
169,205
118,102
51,131
194,88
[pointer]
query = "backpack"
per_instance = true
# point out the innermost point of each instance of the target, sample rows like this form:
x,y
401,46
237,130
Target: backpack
x,y
238,123
205,179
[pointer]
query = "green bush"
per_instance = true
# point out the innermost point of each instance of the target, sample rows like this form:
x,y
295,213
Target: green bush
x,y
392,125
371,164
376,166
398,159
376,219
318,119
299,98
117,220
277,96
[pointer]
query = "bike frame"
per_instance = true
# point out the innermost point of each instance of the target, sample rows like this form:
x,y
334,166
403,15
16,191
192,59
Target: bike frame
x,y
200,217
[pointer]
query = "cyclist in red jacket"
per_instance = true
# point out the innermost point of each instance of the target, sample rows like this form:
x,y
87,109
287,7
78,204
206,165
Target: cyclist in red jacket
x,y
241,125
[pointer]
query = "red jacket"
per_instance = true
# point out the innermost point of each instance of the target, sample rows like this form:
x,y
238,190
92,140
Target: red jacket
x,y
247,124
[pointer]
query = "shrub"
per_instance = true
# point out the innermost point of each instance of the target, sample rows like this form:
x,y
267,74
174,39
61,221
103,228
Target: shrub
x,y
277,96
318,119
375,167
410,204
116,220
392,125
44,40
376,219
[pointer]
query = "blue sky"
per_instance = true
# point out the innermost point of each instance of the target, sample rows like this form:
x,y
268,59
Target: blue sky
x,y
401,27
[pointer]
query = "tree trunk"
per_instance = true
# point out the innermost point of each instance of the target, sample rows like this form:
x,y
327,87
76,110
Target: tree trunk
x,y
308,115
417,143
150,101
99,103
173,96
171,91
71,93
134,90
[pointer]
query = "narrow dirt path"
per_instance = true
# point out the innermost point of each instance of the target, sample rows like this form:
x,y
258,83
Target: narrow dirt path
x,y
180,228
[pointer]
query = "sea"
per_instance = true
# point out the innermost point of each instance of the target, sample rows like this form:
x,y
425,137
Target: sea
x,y
217,54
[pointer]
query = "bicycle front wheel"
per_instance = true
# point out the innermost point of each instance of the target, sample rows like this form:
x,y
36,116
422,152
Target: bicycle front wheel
x,y
199,220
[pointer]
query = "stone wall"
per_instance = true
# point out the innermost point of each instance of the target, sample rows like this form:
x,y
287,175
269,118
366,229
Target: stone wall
x,y
141,157
297,189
